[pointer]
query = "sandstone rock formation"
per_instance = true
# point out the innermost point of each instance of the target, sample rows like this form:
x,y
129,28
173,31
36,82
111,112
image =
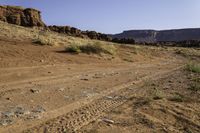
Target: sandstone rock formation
x,y
24,17
78,33
31,17
66,30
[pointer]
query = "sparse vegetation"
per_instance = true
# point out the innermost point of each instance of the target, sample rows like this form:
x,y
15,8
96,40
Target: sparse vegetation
x,y
128,60
44,38
195,87
73,49
96,48
43,41
193,67
177,98
157,94
188,52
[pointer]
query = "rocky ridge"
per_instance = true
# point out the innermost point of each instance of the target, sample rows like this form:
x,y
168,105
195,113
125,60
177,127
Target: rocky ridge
x,y
30,17
78,33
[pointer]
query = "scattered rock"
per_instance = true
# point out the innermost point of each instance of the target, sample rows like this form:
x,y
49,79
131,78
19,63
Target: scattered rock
x,y
167,87
34,116
39,109
35,90
61,89
20,111
86,79
6,122
8,114
108,121
68,97
170,81
109,97
8,98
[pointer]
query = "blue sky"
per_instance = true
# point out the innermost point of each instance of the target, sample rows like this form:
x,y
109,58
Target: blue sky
x,y
114,16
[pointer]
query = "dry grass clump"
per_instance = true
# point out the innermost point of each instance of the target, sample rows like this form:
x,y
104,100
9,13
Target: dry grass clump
x,y
177,98
188,52
44,41
195,87
193,67
96,48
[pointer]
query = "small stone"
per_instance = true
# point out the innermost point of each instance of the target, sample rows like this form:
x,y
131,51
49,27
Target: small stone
x,y
39,109
170,81
34,90
108,121
34,116
61,89
167,87
8,98
8,114
86,79
6,122
66,97
109,97
19,111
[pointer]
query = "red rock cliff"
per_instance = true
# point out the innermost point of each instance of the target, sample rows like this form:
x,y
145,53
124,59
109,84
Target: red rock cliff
x,y
24,17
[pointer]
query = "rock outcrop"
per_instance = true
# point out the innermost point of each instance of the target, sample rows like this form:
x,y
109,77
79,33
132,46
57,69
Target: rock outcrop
x,y
18,15
31,17
123,40
78,33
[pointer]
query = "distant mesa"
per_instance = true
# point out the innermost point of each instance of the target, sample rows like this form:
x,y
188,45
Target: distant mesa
x,y
153,36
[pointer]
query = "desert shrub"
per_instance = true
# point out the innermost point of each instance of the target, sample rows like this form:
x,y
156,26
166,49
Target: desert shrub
x,y
188,53
193,67
43,41
177,98
73,49
96,48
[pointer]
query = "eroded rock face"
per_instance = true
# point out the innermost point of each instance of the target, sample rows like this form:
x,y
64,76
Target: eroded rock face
x,y
30,17
24,17
78,33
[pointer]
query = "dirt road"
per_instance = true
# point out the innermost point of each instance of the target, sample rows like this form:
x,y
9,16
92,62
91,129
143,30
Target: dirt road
x,y
62,89
55,92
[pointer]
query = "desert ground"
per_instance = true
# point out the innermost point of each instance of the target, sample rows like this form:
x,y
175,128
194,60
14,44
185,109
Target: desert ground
x,y
136,90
